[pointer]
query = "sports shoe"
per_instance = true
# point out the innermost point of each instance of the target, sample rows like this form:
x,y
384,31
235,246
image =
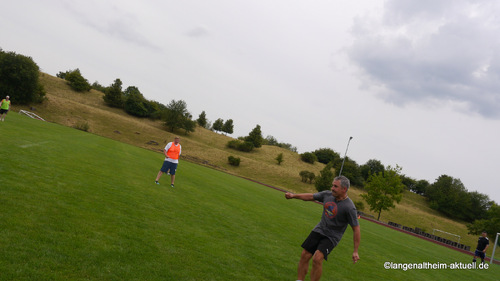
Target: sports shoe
x,y
171,185
157,182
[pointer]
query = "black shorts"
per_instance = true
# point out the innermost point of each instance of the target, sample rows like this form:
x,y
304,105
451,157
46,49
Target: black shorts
x,y
169,167
316,241
480,254
2,111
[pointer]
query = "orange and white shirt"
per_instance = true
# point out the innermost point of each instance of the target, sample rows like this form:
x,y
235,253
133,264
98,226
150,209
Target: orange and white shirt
x,y
173,152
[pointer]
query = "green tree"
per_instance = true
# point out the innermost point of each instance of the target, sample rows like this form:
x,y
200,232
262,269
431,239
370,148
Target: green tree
x,y
326,155
19,78
218,125
490,224
62,75
270,140
325,178
188,125
449,196
228,126
279,158
135,103
351,170
98,87
408,182
383,189
255,137
158,111
308,157
202,119
371,166
420,187
177,114
113,95
77,81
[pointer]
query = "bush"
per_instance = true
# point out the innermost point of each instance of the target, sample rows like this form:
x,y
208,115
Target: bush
x,y
77,81
240,145
279,158
233,161
308,157
306,175
326,155
82,126
360,205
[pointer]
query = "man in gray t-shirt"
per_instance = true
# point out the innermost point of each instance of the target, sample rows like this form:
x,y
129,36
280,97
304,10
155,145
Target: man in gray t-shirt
x,y
338,212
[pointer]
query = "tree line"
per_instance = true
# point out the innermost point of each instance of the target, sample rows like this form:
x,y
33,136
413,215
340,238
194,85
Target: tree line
x,y
384,186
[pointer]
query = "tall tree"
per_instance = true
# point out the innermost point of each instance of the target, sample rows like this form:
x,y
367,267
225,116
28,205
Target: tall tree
x,y
228,126
188,125
218,125
351,171
372,166
325,178
383,189
202,119
420,187
255,137
176,114
113,95
135,103
19,78
490,224
449,196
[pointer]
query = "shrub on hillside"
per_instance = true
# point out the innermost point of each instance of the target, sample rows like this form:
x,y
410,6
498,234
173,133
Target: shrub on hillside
x,y
306,175
77,81
279,158
240,145
234,161
82,126
308,157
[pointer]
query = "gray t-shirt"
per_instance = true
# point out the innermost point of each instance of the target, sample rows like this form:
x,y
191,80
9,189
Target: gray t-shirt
x,y
336,216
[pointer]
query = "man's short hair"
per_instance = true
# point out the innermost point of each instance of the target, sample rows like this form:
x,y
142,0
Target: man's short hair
x,y
344,181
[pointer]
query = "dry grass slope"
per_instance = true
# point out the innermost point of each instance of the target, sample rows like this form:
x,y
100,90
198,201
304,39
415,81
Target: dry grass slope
x,y
69,108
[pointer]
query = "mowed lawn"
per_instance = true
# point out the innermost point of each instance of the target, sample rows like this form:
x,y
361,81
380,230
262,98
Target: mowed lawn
x,y
76,206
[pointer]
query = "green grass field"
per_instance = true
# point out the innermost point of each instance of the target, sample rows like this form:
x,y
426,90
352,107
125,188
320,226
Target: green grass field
x,y
77,206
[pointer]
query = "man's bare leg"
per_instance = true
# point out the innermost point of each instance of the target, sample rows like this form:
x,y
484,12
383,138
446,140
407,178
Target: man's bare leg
x,y
317,267
305,257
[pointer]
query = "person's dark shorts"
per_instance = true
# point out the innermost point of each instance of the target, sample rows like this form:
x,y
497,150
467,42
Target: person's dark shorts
x,y
2,111
316,241
479,254
169,166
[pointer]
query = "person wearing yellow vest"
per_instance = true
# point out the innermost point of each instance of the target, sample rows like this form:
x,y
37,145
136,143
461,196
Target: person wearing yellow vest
x,y
172,152
4,107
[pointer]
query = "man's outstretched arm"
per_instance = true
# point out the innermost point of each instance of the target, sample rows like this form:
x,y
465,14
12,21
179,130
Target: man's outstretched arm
x,y
301,196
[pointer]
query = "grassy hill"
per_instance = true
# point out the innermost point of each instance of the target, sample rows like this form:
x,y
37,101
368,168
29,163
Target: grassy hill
x,y
207,148
78,206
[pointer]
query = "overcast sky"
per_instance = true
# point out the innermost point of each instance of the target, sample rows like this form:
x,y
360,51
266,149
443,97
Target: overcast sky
x,y
416,83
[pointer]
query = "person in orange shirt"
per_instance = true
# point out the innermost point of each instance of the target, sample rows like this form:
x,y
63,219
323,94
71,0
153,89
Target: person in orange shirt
x,y
172,152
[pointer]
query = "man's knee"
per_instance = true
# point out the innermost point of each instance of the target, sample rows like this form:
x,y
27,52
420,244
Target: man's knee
x,y
305,256
318,258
